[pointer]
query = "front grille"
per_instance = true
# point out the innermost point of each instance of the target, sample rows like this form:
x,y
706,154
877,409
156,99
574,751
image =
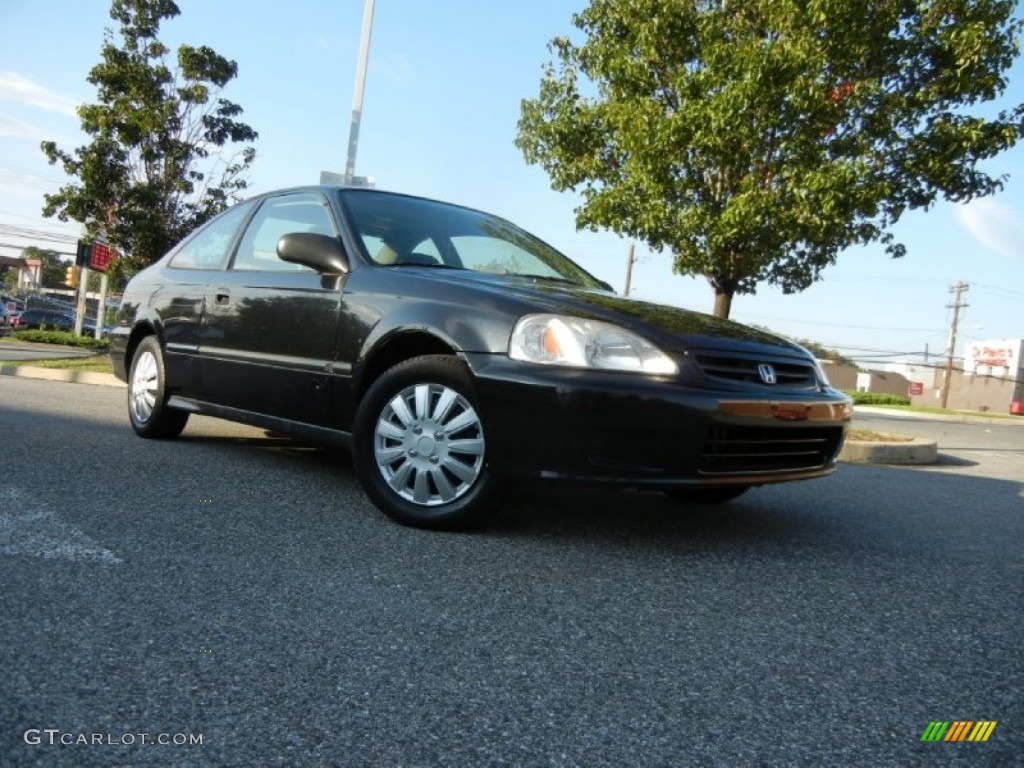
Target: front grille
x,y
789,374
732,449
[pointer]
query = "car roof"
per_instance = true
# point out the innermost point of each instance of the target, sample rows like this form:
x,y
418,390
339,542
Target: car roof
x,y
328,189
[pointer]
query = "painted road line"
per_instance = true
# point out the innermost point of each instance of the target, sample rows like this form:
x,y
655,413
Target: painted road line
x,y
30,527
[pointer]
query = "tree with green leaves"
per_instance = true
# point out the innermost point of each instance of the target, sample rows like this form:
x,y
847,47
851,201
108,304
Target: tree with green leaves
x,y
162,158
822,352
756,140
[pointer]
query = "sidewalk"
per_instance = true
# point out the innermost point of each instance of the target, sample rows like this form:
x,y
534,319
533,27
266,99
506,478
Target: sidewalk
x,y
58,374
951,416
19,351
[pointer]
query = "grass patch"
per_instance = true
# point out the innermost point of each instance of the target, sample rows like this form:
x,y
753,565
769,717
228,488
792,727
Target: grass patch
x,y
876,398
61,337
900,403
95,363
870,436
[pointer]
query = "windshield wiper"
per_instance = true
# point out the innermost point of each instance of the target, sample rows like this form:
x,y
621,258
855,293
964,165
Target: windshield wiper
x,y
433,265
551,278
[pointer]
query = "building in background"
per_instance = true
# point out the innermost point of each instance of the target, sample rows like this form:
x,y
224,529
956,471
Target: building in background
x,y
991,379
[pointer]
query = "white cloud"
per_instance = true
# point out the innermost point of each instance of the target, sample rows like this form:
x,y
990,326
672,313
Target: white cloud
x,y
11,126
17,88
396,67
995,225
15,128
19,182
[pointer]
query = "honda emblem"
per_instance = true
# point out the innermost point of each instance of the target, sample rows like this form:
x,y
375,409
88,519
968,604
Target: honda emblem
x,y
767,373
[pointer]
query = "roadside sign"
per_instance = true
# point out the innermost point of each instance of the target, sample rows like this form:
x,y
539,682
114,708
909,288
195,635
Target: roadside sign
x,y
100,257
916,387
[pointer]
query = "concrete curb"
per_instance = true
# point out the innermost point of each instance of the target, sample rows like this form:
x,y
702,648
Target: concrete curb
x,y
58,374
914,451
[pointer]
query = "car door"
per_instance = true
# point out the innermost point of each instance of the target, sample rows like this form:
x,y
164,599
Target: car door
x,y
199,260
269,326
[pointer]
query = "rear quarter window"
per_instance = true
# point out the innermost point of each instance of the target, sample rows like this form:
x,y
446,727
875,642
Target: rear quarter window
x,y
210,246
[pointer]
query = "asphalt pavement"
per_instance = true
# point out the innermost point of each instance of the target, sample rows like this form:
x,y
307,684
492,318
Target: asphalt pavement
x,y
239,590
982,447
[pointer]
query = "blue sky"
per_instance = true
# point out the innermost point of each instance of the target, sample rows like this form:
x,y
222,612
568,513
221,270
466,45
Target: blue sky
x,y
439,119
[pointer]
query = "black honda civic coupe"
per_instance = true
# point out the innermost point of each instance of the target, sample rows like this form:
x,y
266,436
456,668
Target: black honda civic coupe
x,y
452,351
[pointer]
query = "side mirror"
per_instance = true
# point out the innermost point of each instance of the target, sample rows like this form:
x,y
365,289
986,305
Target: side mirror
x,y
319,252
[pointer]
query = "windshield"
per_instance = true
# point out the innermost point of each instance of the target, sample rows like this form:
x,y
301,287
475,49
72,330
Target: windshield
x,y
396,230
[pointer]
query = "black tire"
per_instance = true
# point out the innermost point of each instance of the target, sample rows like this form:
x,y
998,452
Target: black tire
x,y
419,449
716,494
147,395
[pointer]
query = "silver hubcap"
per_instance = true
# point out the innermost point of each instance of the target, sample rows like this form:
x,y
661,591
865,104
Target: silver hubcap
x,y
429,444
142,398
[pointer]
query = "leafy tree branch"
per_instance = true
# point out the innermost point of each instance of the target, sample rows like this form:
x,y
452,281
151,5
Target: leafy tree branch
x,y
163,157
755,141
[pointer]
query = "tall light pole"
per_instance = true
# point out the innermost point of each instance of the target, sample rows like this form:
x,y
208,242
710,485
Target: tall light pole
x,y
357,97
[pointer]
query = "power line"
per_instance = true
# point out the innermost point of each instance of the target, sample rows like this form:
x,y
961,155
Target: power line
x,y
23,247
998,289
37,220
884,354
36,234
775,318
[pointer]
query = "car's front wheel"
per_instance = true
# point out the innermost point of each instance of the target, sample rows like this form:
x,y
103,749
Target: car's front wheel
x,y
419,445
147,394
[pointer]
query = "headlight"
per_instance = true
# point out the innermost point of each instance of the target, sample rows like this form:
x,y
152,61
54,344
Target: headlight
x,y
579,343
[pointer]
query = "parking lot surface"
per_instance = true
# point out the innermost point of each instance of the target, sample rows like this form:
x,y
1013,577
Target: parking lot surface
x,y
240,588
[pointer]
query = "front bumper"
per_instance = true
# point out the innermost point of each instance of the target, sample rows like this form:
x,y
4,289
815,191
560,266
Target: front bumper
x,y
638,431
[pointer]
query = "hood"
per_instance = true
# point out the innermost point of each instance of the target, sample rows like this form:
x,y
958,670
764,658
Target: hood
x,y
671,328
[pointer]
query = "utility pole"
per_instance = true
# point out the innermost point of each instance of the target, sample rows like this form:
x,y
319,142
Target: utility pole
x,y
629,269
80,305
357,97
101,308
957,290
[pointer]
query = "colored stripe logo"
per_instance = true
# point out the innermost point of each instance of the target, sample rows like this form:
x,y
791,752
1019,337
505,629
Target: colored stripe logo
x,y
959,730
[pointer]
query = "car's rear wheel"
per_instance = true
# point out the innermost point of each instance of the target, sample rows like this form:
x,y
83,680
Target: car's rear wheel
x,y
419,445
718,494
147,394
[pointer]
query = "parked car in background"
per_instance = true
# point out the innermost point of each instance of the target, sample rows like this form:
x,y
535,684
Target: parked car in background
x,y
453,351
52,320
46,318
5,316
